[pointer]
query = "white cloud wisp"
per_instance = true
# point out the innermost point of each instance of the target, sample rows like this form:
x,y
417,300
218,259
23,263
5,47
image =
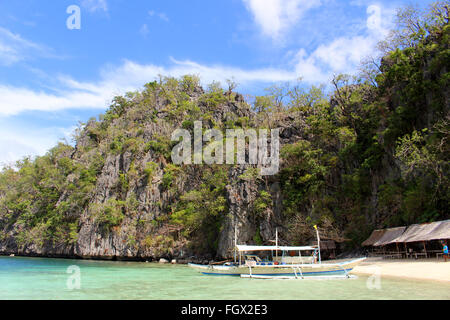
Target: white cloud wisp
x,y
276,16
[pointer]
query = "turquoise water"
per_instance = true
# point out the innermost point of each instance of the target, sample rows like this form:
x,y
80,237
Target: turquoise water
x,y
36,278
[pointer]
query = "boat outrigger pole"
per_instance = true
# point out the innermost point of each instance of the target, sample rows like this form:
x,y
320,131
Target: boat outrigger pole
x,y
318,243
276,242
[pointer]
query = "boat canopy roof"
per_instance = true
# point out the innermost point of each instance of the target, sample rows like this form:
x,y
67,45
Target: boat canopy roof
x,y
243,248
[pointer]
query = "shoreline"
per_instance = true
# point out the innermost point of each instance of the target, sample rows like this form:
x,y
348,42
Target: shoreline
x,y
179,261
424,270
419,270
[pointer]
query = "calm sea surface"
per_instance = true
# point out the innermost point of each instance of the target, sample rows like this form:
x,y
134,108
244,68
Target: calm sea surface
x,y
35,278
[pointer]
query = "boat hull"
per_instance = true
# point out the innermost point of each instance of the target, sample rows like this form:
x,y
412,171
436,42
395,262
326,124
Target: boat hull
x,y
304,270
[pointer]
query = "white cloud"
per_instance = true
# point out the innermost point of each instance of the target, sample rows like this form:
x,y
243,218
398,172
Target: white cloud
x,y
344,54
15,100
307,67
94,5
14,48
277,16
160,15
8,55
380,20
19,142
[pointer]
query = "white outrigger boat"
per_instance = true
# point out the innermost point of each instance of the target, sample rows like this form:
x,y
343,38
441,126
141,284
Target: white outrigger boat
x,y
286,266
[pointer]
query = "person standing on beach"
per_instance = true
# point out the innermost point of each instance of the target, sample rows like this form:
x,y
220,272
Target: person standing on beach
x,y
315,256
445,248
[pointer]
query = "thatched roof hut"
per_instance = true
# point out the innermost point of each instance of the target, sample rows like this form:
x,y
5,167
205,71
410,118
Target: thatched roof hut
x,y
439,230
374,237
389,235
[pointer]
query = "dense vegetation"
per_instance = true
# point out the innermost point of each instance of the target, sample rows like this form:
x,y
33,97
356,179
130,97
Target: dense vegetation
x,y
373,152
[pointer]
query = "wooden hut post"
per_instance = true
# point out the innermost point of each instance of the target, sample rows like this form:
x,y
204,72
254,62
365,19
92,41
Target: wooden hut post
x,y
425,248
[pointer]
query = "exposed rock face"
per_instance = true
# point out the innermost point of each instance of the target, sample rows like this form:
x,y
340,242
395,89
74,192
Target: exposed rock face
x,y
240,197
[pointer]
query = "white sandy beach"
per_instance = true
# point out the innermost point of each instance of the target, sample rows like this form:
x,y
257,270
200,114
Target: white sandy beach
x,y
426,269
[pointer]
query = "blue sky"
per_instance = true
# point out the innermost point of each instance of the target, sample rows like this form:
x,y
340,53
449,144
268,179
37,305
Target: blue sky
x,y
52,77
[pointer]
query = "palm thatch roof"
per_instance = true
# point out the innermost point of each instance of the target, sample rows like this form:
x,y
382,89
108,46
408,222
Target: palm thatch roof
x,y
439,230
389,236
374,237
425,232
